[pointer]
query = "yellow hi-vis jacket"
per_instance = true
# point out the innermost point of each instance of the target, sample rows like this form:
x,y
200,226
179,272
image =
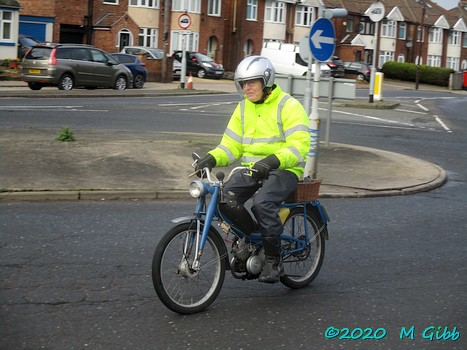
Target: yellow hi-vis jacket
x,y
278,126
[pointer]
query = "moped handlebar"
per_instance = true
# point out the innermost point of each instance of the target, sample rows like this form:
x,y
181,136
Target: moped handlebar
x,y
213,179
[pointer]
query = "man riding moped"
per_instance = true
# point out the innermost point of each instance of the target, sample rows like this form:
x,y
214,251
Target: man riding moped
x,y
268,132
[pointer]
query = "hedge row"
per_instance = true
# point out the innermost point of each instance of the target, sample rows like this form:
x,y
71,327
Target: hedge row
x,y
407,71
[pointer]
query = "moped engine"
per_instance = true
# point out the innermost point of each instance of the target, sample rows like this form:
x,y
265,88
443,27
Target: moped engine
x,y
247,259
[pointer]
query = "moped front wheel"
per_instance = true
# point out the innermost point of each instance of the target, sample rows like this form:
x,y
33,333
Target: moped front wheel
x,y
301,266
182,286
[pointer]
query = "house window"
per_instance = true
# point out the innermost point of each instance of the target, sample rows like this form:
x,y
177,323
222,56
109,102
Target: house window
x,y
145,3
435,35
275,11
454,38
252,10
6,25
402,30
464,65
453,63
401,58
148,37
420,33
187,5
388,29
304,15
111,2
248,48
366,26
465,40
214,7
434,61
385,56
349,27
191,41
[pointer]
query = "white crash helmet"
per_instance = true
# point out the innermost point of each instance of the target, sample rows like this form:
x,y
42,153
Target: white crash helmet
x,y
254,67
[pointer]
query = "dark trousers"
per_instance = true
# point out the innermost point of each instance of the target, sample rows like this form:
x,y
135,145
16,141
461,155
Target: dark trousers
x,y
271,193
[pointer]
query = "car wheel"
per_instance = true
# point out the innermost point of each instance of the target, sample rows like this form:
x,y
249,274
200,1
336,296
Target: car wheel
x,y
66,82
35,86
360,77
201,73
120,83
138,81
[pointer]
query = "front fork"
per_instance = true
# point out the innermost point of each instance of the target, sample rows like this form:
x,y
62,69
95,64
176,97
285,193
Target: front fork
x,y
200,239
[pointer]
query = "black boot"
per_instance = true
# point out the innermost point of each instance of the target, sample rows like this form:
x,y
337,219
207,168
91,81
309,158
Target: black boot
x,y
272,269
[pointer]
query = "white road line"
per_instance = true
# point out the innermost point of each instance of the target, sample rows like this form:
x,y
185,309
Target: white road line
x,y
200,104
409,111
422,107
372,118
438,119
40,107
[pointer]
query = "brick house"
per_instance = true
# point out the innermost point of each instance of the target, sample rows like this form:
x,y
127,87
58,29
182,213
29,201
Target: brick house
x,y
229,30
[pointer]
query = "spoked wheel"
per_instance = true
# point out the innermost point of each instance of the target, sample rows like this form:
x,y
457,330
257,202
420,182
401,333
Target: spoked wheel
x,y
181,286
302,267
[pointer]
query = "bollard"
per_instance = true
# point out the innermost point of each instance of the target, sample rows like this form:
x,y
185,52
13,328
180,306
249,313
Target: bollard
x,y
189,85
378,91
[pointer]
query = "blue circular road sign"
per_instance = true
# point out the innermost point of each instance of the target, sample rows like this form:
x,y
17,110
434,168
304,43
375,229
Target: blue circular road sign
x,y
322,39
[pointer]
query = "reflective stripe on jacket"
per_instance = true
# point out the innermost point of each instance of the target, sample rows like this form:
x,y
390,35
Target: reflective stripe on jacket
x,y
278,126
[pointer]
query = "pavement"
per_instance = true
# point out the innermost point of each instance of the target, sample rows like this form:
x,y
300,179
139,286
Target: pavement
x,y
105,165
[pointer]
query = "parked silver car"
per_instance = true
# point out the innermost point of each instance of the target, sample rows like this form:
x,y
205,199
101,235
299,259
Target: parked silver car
x,y
71,65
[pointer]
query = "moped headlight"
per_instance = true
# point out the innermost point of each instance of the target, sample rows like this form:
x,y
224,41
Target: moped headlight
x,y
197,189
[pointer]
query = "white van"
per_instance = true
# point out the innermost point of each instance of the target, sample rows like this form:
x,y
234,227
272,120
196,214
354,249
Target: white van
x,y
286,59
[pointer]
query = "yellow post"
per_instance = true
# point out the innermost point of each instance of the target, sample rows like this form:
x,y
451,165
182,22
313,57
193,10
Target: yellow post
x,y
378,91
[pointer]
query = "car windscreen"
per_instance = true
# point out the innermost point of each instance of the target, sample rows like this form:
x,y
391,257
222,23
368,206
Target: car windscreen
x,y
39,53
203,58
157,53
25,41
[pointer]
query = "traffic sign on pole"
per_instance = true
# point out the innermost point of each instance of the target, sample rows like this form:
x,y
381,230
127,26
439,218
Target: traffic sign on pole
x,y
184,21
322,39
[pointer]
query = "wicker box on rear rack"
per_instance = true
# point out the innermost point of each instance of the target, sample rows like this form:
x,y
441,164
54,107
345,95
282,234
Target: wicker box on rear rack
x,y
306,191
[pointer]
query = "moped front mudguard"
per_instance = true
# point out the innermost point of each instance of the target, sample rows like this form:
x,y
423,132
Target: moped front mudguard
x,y
213,229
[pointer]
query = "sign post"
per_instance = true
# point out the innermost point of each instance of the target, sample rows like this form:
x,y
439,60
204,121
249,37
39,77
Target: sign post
x,y
322,45
184,22
376,14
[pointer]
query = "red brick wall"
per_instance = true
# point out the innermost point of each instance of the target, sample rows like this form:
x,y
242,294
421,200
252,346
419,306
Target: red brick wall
x,y
30,8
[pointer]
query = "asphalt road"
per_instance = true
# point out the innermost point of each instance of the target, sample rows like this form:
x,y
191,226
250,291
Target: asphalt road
x,y
76,275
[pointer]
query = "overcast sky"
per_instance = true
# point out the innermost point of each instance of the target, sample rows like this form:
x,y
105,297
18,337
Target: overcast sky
x,y
447,4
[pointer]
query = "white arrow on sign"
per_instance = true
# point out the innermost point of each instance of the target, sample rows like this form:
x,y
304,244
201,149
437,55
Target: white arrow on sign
x,y
317,39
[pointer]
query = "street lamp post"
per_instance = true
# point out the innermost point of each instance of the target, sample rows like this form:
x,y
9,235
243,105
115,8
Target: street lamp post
x,y
419,58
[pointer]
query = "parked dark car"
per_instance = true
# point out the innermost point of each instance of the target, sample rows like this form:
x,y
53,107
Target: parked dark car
x,y
337,67
200,65
361,70
137,68
70,65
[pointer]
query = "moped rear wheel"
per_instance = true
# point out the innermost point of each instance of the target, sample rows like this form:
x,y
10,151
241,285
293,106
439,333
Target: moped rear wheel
x,y
302,267
182,287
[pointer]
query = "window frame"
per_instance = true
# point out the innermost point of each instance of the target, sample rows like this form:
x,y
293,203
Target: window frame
x,y
435,35
148,33
388,28
275,12
252,10
6,26
144,3
402,32
214,8
304,15
433,61
453,63
454,38
193,6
